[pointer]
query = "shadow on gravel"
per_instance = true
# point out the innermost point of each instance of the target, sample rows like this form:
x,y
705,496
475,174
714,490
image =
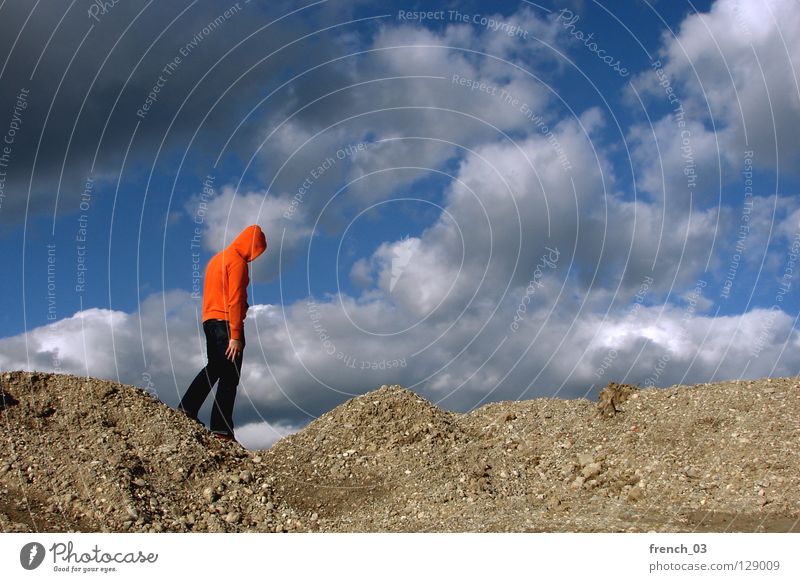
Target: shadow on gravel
x,y
7,400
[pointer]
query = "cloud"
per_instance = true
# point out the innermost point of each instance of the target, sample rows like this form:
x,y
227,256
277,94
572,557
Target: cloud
x,y
291,376
734,76
258,436
88,83
728,81
227,213
510,200
357,131
416,97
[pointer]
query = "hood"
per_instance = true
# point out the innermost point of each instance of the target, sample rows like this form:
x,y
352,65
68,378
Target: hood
x,y
250,243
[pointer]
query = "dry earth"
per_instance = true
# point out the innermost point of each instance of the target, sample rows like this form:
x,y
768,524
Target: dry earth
x,y
80,454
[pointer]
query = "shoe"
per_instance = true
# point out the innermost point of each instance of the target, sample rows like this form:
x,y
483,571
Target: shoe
x,y
224,436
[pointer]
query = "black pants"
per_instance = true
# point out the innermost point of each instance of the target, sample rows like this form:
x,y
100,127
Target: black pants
x,y
218,368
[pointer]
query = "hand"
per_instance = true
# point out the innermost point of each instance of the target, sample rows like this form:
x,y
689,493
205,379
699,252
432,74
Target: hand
x,y
234,349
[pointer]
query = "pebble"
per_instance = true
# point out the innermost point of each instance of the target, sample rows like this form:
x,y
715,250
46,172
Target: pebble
x,y
209,494
691,472
591,470
635,494
233,517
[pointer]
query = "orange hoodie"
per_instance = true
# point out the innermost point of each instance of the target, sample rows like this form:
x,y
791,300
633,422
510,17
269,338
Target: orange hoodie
x,y
226,279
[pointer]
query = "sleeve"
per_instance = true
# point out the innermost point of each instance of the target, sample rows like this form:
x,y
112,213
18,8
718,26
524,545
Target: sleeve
x,y
237,297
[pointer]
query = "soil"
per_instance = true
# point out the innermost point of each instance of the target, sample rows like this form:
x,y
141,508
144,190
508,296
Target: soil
x,y
84,454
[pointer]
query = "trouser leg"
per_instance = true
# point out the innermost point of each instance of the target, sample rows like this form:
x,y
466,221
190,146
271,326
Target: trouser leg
x,y
230,372
198,391
222,412
200,387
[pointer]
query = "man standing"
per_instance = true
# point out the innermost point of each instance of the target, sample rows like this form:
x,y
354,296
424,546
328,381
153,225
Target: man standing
x,y
224,309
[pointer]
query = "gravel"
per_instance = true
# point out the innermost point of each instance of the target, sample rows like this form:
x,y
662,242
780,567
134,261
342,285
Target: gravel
x,y
94,455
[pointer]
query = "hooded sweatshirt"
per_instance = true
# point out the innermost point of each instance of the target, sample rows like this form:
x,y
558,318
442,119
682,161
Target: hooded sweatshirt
x,y
226,279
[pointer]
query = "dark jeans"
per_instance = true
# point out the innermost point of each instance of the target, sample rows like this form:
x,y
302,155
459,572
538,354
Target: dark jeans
x,y
218,368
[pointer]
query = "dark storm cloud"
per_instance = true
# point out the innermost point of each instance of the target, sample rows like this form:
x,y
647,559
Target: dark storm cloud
x,y
87,74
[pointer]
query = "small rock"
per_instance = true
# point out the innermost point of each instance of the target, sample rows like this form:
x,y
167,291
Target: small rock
x,y
233,517
635,494
209,494
691,472
591,470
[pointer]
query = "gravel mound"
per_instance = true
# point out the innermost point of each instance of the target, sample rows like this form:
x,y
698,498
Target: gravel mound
x,y
92,455
83,454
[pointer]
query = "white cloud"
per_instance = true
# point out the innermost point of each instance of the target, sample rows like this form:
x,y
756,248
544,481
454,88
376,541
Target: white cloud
x,y
735,72
257,436
229,212
281,356
400,97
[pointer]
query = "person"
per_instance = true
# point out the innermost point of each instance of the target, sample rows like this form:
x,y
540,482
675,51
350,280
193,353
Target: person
x,y
224,309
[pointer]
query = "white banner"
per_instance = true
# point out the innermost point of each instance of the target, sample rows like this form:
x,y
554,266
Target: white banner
x,y
413,557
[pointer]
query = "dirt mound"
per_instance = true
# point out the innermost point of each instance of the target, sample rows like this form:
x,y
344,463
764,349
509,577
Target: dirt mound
x,y
714,457
357,453
94,455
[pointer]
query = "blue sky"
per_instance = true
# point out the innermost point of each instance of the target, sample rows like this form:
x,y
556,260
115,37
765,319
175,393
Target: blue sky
x,y
649,144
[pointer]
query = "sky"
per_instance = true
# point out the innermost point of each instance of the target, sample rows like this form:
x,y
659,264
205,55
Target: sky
x,y
478,201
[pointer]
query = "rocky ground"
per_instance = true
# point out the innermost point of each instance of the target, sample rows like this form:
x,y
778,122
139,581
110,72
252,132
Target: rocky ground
x,y
81,454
